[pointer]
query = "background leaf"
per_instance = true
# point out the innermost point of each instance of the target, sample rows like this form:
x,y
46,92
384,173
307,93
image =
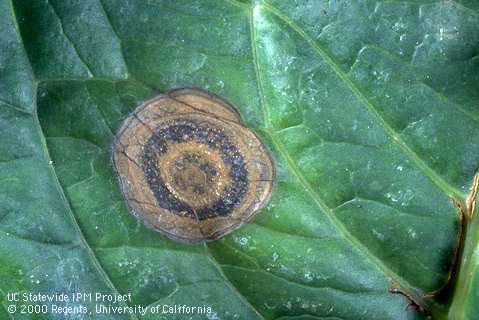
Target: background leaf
x,y
369,108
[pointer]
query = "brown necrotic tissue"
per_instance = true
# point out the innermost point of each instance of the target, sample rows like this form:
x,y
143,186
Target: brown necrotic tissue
x,y
189,168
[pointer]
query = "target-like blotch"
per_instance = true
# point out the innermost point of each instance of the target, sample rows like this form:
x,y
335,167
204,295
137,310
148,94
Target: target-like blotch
x,y
189,168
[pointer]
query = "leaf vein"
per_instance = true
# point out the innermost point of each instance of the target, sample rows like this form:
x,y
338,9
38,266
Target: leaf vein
x,y
60,22
438,94
435,177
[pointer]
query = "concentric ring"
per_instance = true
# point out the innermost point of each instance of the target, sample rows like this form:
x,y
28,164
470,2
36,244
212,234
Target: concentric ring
x,y
187,166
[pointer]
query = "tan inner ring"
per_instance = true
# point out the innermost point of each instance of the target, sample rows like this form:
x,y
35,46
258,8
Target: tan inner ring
x,y
194,173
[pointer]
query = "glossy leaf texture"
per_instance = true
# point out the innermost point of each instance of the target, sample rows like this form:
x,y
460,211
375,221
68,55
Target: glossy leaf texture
x,y
370,109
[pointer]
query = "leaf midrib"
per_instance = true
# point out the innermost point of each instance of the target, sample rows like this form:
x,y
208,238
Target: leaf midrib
x,y
269,130
428,171
295,170
399,281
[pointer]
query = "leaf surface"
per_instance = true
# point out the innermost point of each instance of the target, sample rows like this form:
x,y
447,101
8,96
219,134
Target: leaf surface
x,y
369,109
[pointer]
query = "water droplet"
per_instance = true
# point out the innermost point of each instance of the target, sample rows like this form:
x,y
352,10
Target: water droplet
x,y
377,234
412,233
212,316
308,276
270,303
243,241
288,305
275,256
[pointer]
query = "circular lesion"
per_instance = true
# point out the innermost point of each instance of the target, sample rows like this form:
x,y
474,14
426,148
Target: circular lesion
x,y
189,168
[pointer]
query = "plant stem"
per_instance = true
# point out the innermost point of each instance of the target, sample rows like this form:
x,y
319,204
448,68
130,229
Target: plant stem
x,y
469,262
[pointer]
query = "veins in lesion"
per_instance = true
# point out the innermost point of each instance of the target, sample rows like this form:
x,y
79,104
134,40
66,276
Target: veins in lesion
x,y
198,110
146,125
143,203
123,152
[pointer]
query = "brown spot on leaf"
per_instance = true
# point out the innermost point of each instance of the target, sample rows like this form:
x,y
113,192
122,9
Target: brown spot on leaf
x,y
189,168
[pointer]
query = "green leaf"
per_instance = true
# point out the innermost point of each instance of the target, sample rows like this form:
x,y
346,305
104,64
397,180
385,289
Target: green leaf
x,y
369,108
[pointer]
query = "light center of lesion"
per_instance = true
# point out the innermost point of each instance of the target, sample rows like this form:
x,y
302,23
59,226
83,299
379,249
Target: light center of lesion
x,y
194,172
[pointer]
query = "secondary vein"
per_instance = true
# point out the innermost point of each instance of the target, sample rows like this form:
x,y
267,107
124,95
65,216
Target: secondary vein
x,y
396,138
